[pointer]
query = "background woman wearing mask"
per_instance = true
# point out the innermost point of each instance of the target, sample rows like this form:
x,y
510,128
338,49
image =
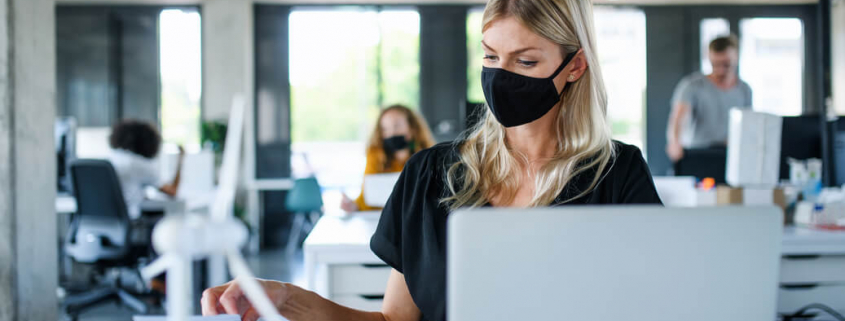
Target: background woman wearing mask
x,y
545,141
398,134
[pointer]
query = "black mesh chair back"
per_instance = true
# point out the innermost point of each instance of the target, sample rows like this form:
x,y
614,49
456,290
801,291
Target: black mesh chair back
x,y
101,225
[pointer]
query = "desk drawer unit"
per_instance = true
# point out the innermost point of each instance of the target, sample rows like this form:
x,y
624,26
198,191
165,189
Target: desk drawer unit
x,y
812,269
358,280
790,299
360,302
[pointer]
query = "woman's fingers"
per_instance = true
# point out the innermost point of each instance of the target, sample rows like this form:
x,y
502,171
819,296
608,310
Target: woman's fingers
x,y
230,299
211,299
233,300
251,315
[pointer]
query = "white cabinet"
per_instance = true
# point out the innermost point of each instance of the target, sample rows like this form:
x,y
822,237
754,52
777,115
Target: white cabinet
x,y
790,299
812,269
358,279
802,270
360,302
811,279
339,264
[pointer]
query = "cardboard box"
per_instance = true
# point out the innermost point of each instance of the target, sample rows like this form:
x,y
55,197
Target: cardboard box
x,y
726,195
753,149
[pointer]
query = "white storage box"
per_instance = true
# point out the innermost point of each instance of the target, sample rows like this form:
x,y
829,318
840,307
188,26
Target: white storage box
x,y
753,149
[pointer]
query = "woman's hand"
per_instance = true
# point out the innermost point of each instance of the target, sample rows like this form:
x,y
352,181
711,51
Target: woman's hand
x,y
297,304
291,301
348,204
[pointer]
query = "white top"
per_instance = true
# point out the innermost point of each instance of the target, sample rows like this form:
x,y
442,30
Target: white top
x,y
135,173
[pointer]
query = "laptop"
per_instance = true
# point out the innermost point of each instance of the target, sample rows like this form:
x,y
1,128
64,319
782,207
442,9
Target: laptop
x,y
378,187
614,263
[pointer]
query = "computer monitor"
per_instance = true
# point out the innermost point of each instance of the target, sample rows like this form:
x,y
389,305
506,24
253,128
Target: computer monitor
x,y
702,163
378,187
801,139
93,142
633,263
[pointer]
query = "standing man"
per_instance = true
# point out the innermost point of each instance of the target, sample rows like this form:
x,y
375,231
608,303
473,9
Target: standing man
x,y
701,103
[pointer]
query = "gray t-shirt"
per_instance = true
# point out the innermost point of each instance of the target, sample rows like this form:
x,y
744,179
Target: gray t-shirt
x,y
707,123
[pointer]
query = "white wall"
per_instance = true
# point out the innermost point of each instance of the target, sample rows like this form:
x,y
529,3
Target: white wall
x,y
227,28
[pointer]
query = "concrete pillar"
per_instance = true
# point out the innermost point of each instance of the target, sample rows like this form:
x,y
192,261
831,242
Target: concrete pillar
x,y
28,257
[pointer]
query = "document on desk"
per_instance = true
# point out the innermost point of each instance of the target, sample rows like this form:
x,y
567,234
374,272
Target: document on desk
x,y
229,317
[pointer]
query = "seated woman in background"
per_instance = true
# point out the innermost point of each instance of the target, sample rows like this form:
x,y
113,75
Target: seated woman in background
x,y
398,134
135,145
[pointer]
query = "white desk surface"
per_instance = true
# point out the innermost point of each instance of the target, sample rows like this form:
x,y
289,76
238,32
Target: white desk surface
x,y
66,204
343,231
805,241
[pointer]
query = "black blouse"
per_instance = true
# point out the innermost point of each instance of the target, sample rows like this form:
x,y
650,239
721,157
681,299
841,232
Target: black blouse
x,y
411,234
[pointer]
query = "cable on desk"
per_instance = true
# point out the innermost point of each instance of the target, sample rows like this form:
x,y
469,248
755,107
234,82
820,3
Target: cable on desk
x,y
801,313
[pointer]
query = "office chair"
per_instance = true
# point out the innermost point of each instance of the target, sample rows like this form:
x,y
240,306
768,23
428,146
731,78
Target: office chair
x,y
304,199
99,235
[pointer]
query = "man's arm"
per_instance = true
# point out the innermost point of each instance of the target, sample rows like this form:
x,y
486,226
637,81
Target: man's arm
x,y
674,149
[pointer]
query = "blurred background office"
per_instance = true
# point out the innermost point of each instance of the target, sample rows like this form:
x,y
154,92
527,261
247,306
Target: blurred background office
x,y
72,69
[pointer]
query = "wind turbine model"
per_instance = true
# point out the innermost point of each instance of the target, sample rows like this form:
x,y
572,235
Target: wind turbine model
x,y
181,239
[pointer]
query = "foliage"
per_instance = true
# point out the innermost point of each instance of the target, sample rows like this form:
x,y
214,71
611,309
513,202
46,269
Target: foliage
x,y
214,134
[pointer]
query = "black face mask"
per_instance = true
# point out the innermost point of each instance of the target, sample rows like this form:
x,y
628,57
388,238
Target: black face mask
x,y
394,144
518,100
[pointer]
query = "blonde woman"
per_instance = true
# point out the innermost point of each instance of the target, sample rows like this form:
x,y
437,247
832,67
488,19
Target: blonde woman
x,y
544,141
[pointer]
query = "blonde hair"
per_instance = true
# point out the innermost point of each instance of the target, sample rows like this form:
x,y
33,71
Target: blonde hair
x,y
421,135
487,167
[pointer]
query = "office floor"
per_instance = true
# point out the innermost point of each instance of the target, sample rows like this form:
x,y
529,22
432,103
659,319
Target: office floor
x,y
269,264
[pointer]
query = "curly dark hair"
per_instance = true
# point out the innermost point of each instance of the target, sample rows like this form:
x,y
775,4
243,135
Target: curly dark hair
x,y
136,136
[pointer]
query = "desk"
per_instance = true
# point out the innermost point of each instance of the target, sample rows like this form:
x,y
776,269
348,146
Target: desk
x,y
340,266
804,241
200,201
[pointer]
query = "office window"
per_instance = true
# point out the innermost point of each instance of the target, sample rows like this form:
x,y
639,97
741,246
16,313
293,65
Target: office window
x,y
711,28
621,43
621,48
771,60
340,77
181,77
475,55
